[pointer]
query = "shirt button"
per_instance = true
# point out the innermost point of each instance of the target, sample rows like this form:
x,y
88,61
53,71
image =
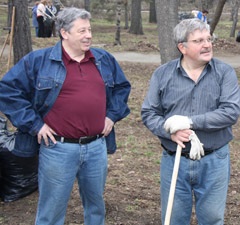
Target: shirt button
x,y
46,105
56,85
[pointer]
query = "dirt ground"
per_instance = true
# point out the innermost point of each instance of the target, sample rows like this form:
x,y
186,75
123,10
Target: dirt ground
x,y
132,193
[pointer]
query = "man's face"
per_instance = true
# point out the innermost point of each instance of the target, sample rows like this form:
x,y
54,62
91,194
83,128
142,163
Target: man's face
x,y
199,47
79,37
204,14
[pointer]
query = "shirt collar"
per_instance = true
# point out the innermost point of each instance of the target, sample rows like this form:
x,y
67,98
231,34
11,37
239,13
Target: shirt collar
x,y
208,65
67,59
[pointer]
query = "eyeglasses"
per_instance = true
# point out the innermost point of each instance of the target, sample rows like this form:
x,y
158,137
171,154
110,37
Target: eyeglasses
x,y
202,41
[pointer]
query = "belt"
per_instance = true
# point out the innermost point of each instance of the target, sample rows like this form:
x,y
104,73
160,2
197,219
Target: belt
x,y
81,140
187,154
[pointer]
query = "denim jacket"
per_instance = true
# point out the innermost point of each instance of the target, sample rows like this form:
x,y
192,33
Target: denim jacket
x,y
29,90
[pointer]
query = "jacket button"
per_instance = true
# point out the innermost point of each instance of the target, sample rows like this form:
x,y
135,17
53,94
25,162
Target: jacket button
x,y
35,132
56,85
46,105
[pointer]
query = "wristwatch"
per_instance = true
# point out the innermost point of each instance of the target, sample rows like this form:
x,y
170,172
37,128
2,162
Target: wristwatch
x,y
191,123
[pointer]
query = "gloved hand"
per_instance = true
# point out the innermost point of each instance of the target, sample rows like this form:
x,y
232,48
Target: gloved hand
x,y
196,151
175,123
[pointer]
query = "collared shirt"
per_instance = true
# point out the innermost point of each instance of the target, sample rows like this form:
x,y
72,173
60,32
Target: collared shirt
x,y
213,102
80,108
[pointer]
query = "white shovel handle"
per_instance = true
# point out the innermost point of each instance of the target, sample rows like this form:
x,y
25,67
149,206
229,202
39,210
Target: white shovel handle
x,y
173,185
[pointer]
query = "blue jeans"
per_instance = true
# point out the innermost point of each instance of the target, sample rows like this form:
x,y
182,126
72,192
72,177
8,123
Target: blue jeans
x,y
59,165
36,31
207,179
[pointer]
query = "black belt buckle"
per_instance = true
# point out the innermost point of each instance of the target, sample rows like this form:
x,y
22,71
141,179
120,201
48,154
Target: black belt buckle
x,y
84,140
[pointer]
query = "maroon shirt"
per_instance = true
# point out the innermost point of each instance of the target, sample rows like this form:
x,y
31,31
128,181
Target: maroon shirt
x,y
80,108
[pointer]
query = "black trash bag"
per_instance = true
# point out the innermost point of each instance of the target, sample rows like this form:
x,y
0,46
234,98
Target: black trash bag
x,y
7,139
18,175
238,37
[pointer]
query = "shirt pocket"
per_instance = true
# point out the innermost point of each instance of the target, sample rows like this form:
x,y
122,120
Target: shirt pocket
x,y
211,99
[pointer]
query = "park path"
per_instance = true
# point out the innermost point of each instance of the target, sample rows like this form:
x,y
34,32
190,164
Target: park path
x,y
234,61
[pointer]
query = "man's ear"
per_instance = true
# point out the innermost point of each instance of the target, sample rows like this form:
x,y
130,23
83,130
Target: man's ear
x,y
182,48
64,33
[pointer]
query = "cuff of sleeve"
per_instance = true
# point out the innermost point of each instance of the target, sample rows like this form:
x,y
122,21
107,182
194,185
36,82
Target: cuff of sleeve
x,y
198,121
190,122
35,129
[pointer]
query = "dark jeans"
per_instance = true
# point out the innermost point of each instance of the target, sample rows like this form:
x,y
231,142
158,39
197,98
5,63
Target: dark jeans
x,y
40,26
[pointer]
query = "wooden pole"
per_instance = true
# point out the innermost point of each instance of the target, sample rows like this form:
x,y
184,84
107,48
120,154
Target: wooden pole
x,y
4,45
173,185
11,38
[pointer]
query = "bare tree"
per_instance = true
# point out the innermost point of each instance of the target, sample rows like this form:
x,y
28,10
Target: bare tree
x,y
235,18
152,13
167,19
203,4
76,3
87,4
232,9
136,18
125,3
118,28
217,14
22,42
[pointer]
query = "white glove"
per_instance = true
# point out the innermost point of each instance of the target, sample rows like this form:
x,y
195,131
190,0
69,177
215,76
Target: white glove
x,y
196,151
176,122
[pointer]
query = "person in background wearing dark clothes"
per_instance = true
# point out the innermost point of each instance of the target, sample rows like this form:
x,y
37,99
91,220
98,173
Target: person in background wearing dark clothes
x,y
67,98
49,23
34,18
41,9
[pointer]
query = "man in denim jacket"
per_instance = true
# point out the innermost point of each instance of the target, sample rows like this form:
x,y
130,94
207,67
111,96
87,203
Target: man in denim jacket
x,y
67,98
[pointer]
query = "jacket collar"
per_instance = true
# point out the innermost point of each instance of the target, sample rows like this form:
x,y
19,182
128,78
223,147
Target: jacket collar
x,y
56,52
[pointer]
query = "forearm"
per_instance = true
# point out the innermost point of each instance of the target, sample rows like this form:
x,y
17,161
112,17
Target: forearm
x,y
154,122
217,119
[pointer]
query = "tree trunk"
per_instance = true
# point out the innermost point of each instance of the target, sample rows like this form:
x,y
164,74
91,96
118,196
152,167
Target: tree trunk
x,y
22,42
125,3
235,18
232,9
118,28
152,13
87,4
136,18
203,4
167,19
217,14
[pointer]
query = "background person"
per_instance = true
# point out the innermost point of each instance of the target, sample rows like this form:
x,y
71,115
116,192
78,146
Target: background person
x,y
68,98
34,18
49,23
202,16
40,18
194,93
57,4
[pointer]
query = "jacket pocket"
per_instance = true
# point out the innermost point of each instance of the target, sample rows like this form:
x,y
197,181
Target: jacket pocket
x,y
43,87
26,145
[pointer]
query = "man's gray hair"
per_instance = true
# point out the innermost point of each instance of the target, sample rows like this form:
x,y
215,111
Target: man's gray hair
x,y
186,27
66,17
